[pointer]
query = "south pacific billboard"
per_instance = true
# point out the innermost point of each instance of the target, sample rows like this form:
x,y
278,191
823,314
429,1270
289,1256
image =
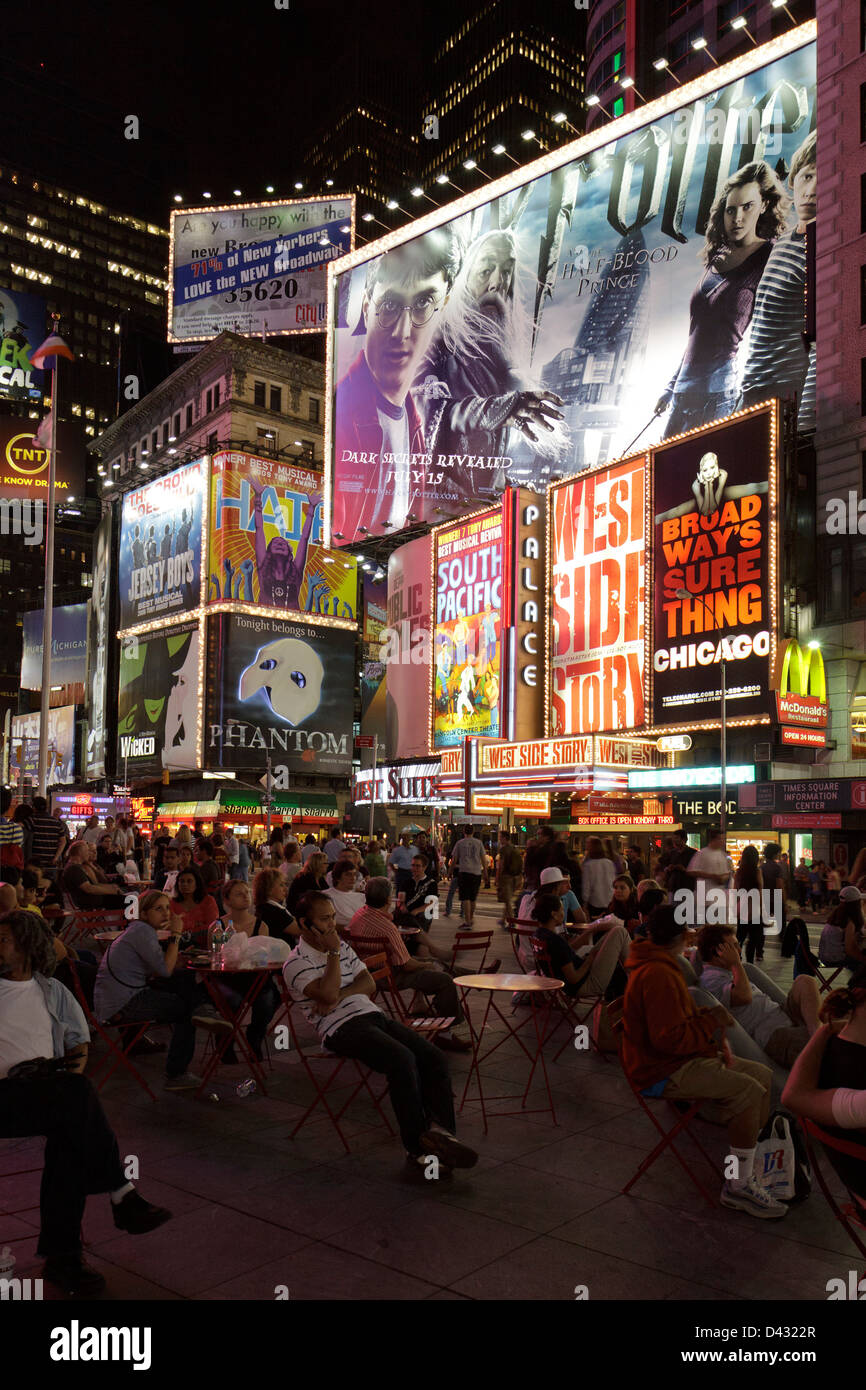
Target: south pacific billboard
x,y
467,637
265,539
611,296
254,268
159,567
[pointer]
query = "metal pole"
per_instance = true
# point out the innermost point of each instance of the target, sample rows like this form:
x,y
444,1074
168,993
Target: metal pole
x,y
268,800
373,783
48,608
723,817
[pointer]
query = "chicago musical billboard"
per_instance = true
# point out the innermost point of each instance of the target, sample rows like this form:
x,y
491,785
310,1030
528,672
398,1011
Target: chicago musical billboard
x,y
265,539
637,284
159,565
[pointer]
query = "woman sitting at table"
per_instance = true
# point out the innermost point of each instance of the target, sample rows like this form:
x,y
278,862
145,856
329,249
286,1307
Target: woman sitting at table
x,y
196,908
586,969
107,857
85,884
241,917
623,904
310,879
269,894
136,981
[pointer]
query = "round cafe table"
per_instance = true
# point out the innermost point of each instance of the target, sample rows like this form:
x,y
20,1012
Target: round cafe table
x,y
540,992
109,936
211,976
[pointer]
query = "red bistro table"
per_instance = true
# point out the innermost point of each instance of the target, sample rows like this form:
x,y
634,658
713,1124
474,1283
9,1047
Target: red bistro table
x,y
540,991
211,975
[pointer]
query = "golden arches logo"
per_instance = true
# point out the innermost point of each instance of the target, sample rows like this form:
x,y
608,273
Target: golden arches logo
x,y
803,672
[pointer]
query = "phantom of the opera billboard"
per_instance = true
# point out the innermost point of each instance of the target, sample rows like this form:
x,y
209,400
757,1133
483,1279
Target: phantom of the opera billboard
x,y
265,539
254,268
714,549
157,709
282,689
159,567
642,282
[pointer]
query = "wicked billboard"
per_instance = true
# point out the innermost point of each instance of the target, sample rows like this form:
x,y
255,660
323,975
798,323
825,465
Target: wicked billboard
x,y
640,283
158,707
279,689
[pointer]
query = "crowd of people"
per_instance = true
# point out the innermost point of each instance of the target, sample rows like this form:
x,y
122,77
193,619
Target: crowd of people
x,y
698,1022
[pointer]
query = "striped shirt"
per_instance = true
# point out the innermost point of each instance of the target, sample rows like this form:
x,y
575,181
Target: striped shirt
x,y
305,965
48,835
11,833
778,363
369,922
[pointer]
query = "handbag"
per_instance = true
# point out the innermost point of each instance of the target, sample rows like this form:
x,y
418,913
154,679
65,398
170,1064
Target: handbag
x,y
781,1164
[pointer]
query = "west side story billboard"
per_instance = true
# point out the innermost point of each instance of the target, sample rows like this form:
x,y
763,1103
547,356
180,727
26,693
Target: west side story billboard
x,y
650,284
254,268
159,567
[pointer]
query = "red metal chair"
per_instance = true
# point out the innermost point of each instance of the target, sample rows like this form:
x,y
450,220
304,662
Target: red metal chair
x,y
308,1055
851,1216
684,1111
577,1011
825,982
130,1034
471,943
393,1005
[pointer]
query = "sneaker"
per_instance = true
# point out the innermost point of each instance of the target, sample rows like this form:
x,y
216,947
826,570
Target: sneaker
x,y
185,1082
449,1149
73,1276
207,1017
137,1216
753,1199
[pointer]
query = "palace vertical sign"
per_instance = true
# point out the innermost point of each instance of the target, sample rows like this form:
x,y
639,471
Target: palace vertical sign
x,y
598,589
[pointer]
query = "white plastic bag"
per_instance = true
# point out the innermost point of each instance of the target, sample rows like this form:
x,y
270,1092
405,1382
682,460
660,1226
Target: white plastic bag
x,y
776,1159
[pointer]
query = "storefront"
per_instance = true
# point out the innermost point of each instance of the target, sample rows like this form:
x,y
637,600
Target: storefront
x,y
813,818
404,794
244,812
76,808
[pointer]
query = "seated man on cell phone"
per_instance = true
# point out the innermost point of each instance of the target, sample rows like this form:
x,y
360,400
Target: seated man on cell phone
x,y
335,992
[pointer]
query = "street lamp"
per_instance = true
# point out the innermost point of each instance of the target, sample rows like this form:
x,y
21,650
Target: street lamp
x,y
723,810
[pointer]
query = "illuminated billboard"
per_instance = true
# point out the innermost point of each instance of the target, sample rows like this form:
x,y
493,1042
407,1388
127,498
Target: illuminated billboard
x,y
284,689
631,286
68,646
24,746
22,330
467,641
159,566
714,572
598,593
254,268
100,647
405,649
265,539
158,724
24,463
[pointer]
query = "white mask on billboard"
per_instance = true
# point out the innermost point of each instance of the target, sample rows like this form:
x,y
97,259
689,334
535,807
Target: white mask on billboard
x,y
291,673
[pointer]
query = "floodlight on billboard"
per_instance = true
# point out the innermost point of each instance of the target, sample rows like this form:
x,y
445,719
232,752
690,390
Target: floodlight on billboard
x,y
537,326
254,268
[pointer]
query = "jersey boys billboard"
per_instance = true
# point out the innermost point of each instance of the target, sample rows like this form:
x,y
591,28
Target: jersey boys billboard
x,y
284,689
265,544
598,592
645,287
254,268
714,527
159,569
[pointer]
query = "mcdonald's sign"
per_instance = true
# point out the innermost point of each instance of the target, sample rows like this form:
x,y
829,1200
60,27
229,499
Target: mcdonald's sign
x,y
801,697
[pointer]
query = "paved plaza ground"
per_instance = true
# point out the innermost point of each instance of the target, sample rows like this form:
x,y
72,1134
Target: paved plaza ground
x,y
540,1215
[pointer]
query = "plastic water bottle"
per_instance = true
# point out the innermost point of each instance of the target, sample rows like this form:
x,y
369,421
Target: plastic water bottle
x,y
228,933
215,936
246,1088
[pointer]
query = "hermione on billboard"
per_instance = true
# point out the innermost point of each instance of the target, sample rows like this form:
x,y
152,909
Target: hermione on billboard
x,y
598,588
644,288
712,580
159,567
265,539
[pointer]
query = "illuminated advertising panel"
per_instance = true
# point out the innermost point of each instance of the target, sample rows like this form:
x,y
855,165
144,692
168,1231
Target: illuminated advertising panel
x,y
598,591
159,567
714,540
24,754
373,670
68,646
254,268
406,650
597,277
282,689
158,723
265,540
24,462
469,559
100,648
22,330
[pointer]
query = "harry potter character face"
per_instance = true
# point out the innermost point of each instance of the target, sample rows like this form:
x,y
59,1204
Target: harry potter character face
x,y
805,189
743,207
290,673
492,271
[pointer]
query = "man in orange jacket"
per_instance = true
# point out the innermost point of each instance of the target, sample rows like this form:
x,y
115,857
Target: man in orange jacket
x,y
673,1048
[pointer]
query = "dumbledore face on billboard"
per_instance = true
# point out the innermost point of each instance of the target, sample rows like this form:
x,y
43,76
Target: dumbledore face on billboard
x,y
652,286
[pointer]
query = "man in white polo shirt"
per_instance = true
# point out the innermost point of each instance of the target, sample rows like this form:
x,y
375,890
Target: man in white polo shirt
x,y
334,990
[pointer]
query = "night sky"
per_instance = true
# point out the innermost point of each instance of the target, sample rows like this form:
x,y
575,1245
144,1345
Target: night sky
x,y
224,98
